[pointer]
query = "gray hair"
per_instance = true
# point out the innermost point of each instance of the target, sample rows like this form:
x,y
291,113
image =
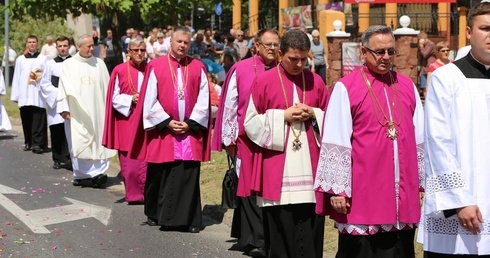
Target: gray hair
x,y
182,29
81,39
136,42
374,30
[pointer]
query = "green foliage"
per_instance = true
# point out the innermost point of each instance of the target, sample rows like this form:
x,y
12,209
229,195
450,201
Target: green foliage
x,y
42,27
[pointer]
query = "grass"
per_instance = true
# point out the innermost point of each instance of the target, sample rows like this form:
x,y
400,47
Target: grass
x,y
212,173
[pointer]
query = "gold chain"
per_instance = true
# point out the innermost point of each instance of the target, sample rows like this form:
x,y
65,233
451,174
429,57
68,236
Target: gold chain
x,y
392,133
296,142
174,77
134,90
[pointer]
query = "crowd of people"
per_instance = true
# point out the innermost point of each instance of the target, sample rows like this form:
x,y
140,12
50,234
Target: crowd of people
x,y
364,153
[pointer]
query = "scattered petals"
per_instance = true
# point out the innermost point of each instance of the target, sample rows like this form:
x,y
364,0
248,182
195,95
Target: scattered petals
x,y
54,247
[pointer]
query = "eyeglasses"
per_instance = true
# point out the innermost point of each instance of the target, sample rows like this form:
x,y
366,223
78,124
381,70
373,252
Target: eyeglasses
x,y
136,50
382,52
269,45
239,35
444,50
160,38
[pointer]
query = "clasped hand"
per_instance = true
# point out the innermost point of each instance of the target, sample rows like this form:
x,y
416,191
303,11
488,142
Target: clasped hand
x,y
298,113
178,127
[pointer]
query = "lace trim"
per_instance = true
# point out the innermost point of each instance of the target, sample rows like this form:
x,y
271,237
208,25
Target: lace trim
x,y
334,174
451,226
229,130
266,139
421,165
444,182
364,230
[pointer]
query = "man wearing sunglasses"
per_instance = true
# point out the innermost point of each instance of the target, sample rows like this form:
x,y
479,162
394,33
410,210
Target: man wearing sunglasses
x,y
372,155
122,96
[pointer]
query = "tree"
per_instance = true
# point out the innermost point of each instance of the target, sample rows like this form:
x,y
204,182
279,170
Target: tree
x,y
150,11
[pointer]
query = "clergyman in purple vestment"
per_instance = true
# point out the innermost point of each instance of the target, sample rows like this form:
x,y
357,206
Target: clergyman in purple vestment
x,y
229,132
371,159
122,96
281,119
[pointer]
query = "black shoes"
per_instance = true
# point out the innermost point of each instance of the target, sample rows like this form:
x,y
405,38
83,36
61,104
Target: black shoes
x,y
194,230
27,147
257,252
37,150
151,222
77,182
57,165
99,180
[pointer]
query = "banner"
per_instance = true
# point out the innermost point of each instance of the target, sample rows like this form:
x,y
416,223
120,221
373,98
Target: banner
x,y
351,57
295,17
398,1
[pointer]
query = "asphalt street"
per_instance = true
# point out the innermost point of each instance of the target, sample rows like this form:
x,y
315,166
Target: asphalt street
x,y
43,215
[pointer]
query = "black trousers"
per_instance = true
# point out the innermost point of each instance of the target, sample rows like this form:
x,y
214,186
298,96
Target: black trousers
x,y
247,223
34,126
396,244
59,145
293,231
322,71
172,193
154,174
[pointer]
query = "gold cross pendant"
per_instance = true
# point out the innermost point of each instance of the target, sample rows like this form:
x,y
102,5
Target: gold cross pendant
x,y
296,144
391,132
181,95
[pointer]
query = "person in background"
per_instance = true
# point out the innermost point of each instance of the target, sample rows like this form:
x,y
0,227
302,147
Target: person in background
x,y
241,42
11,62
210,44
228,62
49,49
427,50
122,97
320,63
281,119
48,87
231,49
81,100
73,49
456,213
110,54
160,47
442,55
371,164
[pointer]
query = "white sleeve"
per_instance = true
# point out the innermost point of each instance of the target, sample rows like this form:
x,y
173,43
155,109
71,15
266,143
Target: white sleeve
x,y
120,101
266,130
334,174
153,112
200,113
48,91
229,124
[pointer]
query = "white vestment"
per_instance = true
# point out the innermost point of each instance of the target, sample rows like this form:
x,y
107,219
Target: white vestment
x,y
4,118
24,90
457,145
49,92
82,92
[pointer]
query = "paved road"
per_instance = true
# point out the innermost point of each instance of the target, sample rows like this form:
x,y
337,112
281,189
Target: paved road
x,y
43,215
